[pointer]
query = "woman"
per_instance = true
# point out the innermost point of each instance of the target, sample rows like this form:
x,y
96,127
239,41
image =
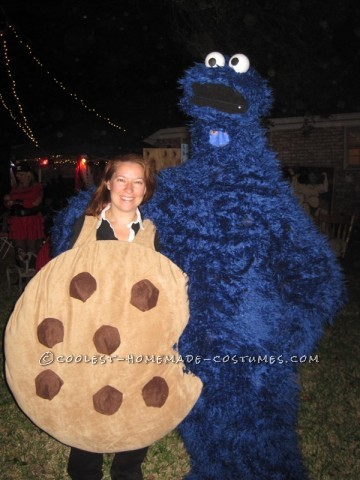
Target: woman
x,y
26,223
113,214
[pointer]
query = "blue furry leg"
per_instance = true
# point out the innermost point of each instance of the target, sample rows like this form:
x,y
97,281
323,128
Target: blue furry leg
x,y
248,437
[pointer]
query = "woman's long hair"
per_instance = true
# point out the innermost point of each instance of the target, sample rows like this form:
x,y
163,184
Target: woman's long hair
x,y
101,196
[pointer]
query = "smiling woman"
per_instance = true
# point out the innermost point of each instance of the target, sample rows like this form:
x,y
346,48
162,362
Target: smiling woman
x,y
128,181
127,189
124,270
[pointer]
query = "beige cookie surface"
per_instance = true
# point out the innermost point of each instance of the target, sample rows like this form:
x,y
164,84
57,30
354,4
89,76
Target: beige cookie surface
x,y
89,347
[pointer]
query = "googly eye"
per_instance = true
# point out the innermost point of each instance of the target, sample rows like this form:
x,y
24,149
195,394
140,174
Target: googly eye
x,y
240,63
214,59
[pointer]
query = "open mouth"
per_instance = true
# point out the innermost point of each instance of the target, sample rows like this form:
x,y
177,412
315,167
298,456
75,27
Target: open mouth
x,y
219,97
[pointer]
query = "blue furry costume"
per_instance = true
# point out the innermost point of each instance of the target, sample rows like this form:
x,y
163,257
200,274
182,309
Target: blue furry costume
x,y
262,281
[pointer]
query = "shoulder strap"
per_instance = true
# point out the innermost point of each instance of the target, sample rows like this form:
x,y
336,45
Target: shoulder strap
x,y
146,236
88,231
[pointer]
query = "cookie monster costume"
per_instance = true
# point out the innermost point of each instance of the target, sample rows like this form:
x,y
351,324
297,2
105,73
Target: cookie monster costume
x,y
262,281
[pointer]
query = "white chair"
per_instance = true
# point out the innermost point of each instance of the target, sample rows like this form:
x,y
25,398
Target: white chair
x,y
5,243
21,275
338,230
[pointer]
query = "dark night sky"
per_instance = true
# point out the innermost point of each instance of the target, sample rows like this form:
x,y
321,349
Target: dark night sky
x,y
124,57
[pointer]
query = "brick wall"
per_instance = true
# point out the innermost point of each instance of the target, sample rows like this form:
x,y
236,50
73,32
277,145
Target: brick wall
x,y
320,147
317,147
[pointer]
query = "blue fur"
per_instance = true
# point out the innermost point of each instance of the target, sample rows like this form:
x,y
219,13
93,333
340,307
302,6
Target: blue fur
x,y
65,220
262,281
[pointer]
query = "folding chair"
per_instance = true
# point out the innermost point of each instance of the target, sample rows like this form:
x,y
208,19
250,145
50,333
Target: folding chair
x,y
5,244
338,230
21,275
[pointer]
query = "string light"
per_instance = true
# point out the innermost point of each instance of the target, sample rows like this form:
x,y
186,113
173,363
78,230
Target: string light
x,y
13,116
62,86
61,160
24,126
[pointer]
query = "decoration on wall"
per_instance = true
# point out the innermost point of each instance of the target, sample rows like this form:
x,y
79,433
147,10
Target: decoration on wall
x,y
313,187
23,123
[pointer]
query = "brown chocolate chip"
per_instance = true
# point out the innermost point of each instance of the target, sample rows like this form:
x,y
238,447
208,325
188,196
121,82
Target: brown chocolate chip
x,y
82,286
106,339
48,384
50,332
107,400
144,295
155,392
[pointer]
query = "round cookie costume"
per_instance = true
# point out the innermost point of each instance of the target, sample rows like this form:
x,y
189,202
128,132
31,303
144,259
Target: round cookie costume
x,y
89,348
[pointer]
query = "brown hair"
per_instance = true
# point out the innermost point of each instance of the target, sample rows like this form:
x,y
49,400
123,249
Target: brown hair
x,y
101,196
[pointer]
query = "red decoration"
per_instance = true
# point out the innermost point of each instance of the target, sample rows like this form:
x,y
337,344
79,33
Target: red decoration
x,y
44,162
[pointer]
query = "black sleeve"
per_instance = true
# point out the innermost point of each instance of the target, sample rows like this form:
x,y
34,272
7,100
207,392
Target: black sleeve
x,y
157,243
76,230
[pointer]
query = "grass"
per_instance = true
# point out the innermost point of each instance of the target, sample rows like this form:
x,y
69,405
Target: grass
x,y
328,422
330,409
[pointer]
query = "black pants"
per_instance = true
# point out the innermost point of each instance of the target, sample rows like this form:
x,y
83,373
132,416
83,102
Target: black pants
x,y
84,465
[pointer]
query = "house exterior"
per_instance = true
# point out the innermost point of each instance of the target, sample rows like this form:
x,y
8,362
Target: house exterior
x,y
329,146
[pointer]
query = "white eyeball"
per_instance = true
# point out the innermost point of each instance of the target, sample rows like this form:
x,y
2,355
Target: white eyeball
x,y
214,59
240,63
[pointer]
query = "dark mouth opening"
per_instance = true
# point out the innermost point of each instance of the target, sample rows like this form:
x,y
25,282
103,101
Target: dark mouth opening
x,y
219,97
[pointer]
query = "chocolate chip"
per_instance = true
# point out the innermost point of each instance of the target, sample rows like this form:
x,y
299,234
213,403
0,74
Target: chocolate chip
x,y
50,332
48,384
155,392
107,400
106,339
144,295
82,286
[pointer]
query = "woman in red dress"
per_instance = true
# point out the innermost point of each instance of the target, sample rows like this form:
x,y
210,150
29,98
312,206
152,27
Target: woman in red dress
x,y
26,223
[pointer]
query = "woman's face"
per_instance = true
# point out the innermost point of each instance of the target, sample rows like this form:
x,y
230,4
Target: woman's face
x,y
127,186
24,178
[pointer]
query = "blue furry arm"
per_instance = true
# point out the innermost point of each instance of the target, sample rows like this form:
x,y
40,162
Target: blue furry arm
x,y
65,220
310,285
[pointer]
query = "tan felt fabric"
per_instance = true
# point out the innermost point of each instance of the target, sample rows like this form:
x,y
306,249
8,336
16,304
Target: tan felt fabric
x,y
91,360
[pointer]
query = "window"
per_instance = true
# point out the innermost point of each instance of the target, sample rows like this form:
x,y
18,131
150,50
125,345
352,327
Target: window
x,y
352,146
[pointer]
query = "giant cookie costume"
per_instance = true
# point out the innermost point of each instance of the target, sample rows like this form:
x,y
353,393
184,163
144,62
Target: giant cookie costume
x,y
262,281
89,347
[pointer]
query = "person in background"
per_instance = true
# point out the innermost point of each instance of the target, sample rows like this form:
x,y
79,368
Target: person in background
x,y
26,223
113,214
308,187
